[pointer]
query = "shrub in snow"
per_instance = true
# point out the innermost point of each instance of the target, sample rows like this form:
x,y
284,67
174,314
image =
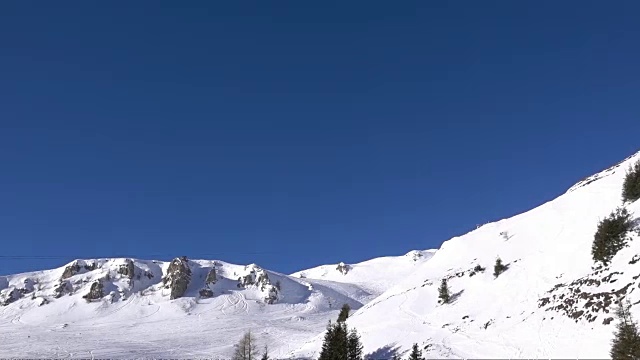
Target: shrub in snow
x,y
476,269
631,185
626,340
611,235
443,292
499,267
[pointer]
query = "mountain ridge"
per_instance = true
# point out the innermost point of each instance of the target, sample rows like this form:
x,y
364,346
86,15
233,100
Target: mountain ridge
x,y
553,300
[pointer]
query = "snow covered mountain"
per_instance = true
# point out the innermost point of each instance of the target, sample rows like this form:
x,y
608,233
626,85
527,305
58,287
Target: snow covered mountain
x,y
553,301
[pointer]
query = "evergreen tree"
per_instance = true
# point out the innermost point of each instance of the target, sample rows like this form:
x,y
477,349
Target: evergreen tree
x,y
344,313
354,346
416,353
335,344
326,350
246,348
631,185
611,235
626,341
499,267
443,292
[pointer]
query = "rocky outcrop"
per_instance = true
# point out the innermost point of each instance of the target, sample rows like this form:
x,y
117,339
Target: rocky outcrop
x,y
206,293
64,287
70,270
28,286
211,277
75,267
127,269
96,292
10,296
343,268
178,277
255,276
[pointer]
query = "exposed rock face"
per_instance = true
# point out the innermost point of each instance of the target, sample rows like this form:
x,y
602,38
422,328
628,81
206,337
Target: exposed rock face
x,y
128,269
211,277
63,288
10,296
414,255
206,293
28,286
343,268
96,292
255,276
70,270
178,277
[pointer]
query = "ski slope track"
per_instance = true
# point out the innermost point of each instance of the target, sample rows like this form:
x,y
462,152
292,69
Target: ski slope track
x,y
553,301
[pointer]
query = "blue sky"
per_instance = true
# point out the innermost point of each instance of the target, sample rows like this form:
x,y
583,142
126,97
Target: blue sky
x,y
293,134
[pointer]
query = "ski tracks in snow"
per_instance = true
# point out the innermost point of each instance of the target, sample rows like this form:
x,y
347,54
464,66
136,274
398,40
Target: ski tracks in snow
x,y
234,300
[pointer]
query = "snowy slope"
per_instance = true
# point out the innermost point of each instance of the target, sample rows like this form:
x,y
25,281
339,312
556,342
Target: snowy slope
x,y
375,275
550,303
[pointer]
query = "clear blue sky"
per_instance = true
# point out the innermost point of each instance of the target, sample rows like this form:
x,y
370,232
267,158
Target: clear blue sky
x,y
292,133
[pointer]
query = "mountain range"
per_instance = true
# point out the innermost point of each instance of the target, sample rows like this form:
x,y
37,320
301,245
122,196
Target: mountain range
x,y
551,301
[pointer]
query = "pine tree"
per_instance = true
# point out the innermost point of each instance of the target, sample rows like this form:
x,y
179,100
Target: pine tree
x,y
611,235
326,350
416,353
443,292
499,267
265,353
344,313
631,185
335,344
626,342
354,346
246,348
